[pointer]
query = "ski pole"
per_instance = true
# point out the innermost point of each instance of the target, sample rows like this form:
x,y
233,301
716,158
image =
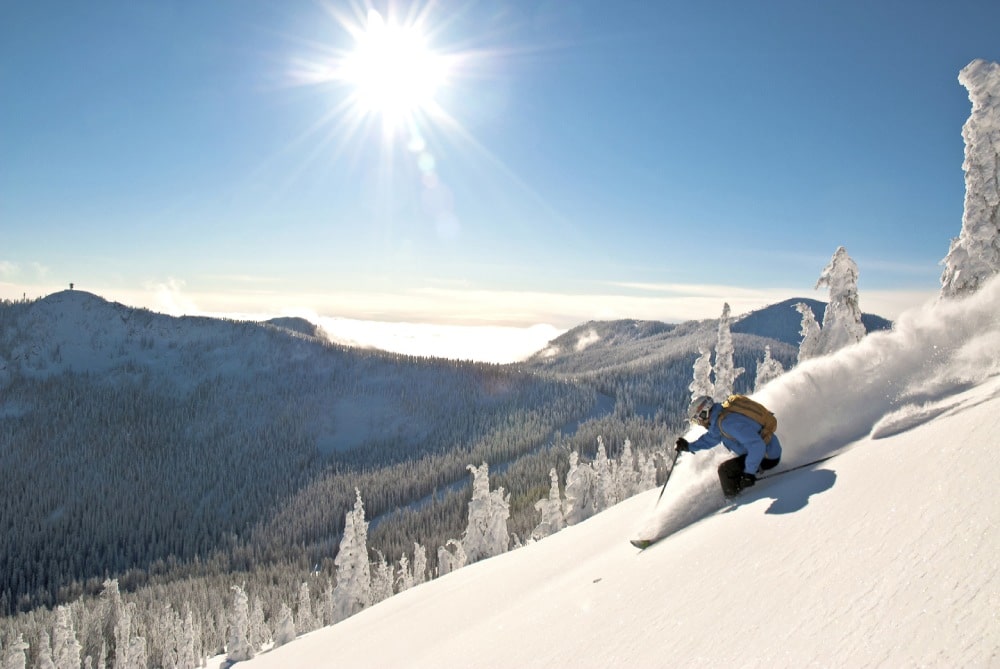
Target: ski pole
x,y
677,454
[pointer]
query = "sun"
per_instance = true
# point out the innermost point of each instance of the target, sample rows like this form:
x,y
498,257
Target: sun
x,y
393,71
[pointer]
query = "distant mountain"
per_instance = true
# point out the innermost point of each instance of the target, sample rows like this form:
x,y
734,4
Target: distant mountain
x,y
783,322
146,438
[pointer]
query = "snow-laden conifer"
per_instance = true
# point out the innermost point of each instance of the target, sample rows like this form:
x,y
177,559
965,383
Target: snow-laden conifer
x,y
353,590
725,370
581,492
842,324
768,369
13,656
238,647
974,256
284,628
327,606
451,556
702,382
258,632
419,564
486,534
604,477
304,620
65,647
404,577
550,509
44,656
381,579
809,346
186,654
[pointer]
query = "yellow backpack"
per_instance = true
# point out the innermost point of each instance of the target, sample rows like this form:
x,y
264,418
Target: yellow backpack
x,y
755,411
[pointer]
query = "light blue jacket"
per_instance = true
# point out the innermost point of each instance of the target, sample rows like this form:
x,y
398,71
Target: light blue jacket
x,y
742,437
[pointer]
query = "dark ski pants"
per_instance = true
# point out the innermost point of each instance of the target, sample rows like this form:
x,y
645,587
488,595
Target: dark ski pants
x,y
730,471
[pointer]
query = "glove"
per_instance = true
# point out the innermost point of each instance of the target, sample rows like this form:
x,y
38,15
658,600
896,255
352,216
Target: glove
x,y
681,446
746,480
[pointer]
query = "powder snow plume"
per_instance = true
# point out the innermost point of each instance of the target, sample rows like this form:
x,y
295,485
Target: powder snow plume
x,y
825,404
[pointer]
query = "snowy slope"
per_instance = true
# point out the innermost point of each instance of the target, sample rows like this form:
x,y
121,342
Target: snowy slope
x,y
884,555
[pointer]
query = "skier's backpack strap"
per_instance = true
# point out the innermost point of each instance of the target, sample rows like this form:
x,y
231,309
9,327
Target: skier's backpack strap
x,y
755,411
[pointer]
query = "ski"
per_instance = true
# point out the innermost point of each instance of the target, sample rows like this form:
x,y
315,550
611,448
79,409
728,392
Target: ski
x,y
771,475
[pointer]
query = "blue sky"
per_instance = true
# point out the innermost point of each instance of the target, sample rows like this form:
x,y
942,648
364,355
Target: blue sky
x,y
580,159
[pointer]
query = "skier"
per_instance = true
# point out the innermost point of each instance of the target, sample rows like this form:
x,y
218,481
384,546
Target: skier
x,y
741,435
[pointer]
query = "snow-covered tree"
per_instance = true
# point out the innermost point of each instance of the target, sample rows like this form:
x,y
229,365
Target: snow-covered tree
x,y
186,654
974,256
327,606
65,647
451,556
44,659
550,509
702,382
725,370
238,648
123,633
353,590
626,475
581,493
13,656
604,477
258,632
304,620
486,534
138,653
284,628
381,579
404,577
809,346
768,369
419,564
842,324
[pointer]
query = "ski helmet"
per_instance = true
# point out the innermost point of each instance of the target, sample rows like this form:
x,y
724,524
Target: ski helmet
x,y
700,407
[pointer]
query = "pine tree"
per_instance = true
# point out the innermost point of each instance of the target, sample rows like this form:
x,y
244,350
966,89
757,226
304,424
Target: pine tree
x,y
258,633
44,659
284,629
725,371
404,577
14,655
842,324
419,564
353,590
768,369
65,647
486,534
451,557
809,347
186,655
328,605
381,579
304,616
550,509
702,382
581,491
974,256
238,649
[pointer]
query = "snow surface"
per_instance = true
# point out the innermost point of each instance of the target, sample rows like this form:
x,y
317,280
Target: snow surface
x,y
885,555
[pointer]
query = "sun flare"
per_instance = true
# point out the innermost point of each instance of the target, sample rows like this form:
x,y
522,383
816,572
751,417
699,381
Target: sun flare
x,y
393,71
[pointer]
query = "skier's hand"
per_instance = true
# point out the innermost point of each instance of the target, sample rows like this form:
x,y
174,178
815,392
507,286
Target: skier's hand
x,y
681,446
746,480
